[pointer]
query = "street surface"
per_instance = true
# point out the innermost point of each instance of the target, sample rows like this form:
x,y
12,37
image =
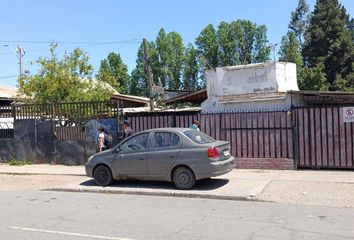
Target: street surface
x,y
45,215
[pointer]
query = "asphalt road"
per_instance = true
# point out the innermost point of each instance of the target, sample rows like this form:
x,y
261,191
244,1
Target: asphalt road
x,y
55,215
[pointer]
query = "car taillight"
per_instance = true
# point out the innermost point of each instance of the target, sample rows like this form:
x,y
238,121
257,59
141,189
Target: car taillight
x,y
213,153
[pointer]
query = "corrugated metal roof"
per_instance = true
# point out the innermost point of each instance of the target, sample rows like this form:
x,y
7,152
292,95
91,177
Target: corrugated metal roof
x,y
8,92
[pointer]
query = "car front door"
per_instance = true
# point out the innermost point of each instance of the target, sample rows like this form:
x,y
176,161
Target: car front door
x,y
165,149
131,156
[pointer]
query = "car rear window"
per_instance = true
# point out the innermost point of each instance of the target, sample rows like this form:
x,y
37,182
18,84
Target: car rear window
x,y
198,136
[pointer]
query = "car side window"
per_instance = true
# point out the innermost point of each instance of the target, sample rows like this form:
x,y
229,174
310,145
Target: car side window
x,y
136,143
165,140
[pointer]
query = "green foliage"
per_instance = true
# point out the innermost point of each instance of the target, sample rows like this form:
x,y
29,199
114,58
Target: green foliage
x,y
312,78
299,20
290,50
329,42
175,53
207,44
138,84
114,72
15,162
66,79
238,42
191,69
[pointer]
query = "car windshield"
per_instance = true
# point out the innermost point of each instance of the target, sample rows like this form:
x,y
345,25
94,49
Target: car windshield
x,y
198,136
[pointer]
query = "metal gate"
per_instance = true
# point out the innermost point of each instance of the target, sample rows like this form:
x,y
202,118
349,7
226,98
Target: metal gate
x,y
323,139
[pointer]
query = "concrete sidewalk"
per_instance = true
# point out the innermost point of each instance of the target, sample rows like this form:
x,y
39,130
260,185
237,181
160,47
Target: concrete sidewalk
x,y
43,169
322,188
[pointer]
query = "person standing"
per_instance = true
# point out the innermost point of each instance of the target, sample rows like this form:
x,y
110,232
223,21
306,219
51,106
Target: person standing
x,y
101,137
128,131
195,125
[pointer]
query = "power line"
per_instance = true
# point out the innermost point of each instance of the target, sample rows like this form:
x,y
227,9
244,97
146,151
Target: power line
x,y
11,76
73,42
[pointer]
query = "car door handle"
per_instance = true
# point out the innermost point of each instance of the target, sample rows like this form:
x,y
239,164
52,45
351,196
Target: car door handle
x,y
142,158
172,156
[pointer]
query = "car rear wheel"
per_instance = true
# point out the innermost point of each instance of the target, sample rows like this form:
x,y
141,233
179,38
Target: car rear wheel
x,y
103,176
183,178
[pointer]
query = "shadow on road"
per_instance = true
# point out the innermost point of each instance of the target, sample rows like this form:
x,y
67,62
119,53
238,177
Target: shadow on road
x,y
202,185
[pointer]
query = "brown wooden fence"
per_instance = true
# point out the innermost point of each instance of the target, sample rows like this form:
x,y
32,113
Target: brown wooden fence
x,y
144,121
323,139
251,134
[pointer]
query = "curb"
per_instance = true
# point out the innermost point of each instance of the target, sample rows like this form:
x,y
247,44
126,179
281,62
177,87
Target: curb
x,y
44,174
159,194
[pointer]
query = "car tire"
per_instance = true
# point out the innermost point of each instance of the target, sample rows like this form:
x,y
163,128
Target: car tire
x,y
103,176
183,178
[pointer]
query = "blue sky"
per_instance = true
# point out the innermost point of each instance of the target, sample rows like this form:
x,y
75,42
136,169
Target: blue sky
x,y
118,20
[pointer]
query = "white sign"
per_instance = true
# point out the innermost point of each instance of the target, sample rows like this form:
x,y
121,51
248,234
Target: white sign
x,y
348,114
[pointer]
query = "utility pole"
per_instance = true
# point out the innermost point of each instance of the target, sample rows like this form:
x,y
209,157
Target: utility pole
x,y
149,73
20,53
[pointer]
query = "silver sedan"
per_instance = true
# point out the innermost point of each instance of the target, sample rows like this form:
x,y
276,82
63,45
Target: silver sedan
x,y
178,155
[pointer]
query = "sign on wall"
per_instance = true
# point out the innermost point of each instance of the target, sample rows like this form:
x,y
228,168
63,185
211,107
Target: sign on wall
x,y
348,114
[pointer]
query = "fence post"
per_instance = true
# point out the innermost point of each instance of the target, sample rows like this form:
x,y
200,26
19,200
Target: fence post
x,y
54,133
13,111
294,137
174,119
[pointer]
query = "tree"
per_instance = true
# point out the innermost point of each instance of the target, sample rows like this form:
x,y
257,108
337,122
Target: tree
x,y
290,50
329,42
191,69
208,45
162,45
63,79
261,48
313,78
227,42
238,42
175,50
138,84
114,72
299,20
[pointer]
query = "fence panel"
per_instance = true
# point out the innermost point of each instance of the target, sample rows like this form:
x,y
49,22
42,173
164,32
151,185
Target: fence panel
x,y
324,140
255,134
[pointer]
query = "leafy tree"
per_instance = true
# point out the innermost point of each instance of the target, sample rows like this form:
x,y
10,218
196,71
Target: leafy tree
x,y
63,79
313,78
227,42
261,48
299,20
290,50
162,45
191,69
238,42
329,42
138,84
175,52
114,72
208,45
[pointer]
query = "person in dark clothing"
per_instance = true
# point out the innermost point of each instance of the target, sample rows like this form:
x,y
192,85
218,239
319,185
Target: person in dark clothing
x,y
128,131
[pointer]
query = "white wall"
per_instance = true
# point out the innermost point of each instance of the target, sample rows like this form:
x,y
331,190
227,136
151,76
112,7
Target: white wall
x,y
263,80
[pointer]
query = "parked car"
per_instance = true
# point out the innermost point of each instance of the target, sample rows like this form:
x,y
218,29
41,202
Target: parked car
x,y
180,155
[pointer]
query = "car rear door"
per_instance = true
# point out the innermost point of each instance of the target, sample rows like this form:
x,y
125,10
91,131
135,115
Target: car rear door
x,y
165,149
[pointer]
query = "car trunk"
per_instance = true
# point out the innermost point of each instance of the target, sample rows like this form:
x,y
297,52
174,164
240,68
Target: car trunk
x,y
223,149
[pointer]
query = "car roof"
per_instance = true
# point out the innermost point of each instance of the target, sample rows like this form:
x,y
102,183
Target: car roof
x,y
170,129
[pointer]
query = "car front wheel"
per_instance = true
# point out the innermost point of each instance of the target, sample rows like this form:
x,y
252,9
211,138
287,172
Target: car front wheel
x,y
103,176
183,178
